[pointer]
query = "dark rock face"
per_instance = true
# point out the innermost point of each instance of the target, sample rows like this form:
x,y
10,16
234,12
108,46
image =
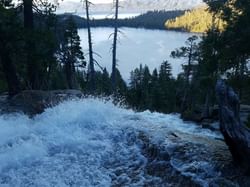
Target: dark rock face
x,y
189,160
209,121
35,101
236,134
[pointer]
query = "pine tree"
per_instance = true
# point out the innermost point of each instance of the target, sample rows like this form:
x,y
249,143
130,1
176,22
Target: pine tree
x,y
145,88
121,87
9,28
106,83
234,51
91,74
165,72
114,47
167,90
208,69
72,55
103,83
155,91
134,94
191,53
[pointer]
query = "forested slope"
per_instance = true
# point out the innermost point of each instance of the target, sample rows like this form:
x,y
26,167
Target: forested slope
x,y
149,20
197,20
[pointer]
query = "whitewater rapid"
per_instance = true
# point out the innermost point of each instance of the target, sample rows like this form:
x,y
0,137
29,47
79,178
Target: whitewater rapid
x,y
87,142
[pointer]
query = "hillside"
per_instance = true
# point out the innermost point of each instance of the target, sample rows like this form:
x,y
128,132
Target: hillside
x,y
149,20
198,20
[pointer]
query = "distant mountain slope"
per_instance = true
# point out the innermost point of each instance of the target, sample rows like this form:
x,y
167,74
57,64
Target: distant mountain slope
x,y
145,5
149,20
132,6
197,20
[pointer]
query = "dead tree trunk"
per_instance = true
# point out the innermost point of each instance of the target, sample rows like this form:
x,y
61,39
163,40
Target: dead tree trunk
x,y
32,66
236,134
115,47
91,58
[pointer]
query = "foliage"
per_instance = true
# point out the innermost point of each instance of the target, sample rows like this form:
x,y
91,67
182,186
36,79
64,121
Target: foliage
x,y
155,92
232,45
198,20
29,57
71,54
47,55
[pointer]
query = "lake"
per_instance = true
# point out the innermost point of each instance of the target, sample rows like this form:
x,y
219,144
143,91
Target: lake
x,y
136,46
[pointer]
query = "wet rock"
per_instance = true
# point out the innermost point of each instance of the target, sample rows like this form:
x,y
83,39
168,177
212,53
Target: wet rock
x,y
220,182
35,101
158,168
194,115
164,155
209,124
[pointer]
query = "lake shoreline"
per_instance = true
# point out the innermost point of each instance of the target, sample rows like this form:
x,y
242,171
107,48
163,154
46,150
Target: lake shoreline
x,y
149,20
152,29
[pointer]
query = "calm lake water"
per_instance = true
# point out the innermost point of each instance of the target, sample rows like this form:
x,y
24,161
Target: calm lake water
x,y
136,46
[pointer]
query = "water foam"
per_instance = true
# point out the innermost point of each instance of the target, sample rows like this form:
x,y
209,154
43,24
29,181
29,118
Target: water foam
x,y
81,143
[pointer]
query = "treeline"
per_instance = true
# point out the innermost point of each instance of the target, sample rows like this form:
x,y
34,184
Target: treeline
x,y
149,20
36,52
198,20
220,54
39,52
154,91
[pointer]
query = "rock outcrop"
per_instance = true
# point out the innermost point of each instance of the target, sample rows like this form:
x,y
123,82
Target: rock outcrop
x,y
236,134
34,102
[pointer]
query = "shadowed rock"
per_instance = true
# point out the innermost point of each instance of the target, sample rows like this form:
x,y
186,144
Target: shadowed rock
x,y
34,102
236,134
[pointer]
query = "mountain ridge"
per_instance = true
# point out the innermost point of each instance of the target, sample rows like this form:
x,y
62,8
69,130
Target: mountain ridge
x,y
130,6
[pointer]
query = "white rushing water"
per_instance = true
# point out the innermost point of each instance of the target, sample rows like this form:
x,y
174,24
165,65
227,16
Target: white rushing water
x,y
81,143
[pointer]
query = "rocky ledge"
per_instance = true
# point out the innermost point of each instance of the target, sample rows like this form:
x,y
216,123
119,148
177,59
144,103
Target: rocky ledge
x,y
35,101
191,160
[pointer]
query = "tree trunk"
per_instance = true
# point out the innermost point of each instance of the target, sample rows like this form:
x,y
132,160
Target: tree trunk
x,y
68,70
28,14
236,134
10,74
32,67
184,103
115,47
91,58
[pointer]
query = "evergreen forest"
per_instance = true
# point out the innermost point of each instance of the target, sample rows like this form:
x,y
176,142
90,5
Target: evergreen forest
x,y
38,52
